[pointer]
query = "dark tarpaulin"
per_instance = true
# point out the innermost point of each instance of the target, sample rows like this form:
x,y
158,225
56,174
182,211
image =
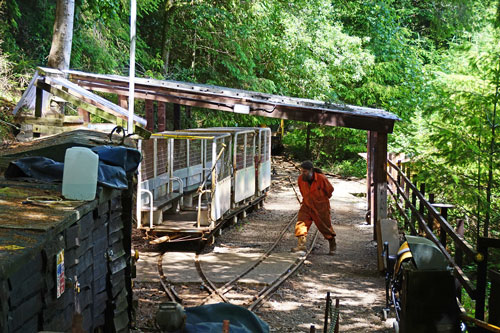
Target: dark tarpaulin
x,y
209,318
114,164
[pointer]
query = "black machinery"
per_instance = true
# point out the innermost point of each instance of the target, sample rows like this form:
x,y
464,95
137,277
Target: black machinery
x,y
421,287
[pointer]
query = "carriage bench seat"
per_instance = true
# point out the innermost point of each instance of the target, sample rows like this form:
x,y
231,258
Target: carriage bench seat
x,y
163,201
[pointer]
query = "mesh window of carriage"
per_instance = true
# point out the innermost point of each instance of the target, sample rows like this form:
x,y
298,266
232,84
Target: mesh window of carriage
x,y
224,162
152,155
240,152
180,154
195,152
250,150
265,148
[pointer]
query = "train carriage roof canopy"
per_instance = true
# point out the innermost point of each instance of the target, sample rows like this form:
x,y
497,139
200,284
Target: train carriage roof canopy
x,y
231,100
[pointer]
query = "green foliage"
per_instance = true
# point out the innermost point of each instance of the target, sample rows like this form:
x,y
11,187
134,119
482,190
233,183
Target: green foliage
x,y
430,62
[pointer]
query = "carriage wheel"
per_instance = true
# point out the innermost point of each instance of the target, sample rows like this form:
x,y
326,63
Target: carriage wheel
x,y
395,326
385,314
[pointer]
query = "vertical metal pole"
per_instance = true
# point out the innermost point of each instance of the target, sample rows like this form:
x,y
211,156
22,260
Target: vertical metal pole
x,y
131,86
414,203
442,231
398,181
482,267
421,206
138,204
460,229
337,322
430,218
327,312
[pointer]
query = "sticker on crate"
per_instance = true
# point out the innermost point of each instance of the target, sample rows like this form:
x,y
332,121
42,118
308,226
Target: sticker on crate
x,y
60,280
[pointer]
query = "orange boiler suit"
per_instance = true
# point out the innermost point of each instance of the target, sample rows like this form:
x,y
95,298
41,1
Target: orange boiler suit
x,y
315,206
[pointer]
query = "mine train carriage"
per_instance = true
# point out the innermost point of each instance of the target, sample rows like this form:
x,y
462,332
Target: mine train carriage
x,y
192,181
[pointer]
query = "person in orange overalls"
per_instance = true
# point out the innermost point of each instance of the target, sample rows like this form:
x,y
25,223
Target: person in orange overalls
x,y
316,191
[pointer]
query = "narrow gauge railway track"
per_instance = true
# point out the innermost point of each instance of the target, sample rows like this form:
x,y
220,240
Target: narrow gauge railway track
x,y
263,294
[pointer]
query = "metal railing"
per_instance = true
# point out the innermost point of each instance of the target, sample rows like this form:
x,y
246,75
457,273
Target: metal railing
x,y
421,216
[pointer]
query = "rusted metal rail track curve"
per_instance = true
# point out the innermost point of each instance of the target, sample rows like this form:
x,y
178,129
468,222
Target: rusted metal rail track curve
x,y
166,285
231,284
265,292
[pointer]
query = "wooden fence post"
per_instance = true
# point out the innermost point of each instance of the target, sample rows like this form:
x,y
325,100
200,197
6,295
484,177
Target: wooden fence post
x,y
150,117
494,304
482,267
398,181
162,116
414,203
177,117
430,218
459,254
421,206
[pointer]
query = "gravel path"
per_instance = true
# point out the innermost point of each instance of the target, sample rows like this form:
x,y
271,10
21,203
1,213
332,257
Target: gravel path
x,y
350,275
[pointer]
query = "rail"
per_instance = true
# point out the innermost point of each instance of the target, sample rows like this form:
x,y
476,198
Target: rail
x,y
422,218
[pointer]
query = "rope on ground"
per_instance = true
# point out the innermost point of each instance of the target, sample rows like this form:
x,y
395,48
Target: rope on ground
x,y
334,315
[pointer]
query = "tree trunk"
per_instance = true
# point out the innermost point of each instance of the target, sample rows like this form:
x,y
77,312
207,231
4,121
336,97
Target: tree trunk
x,y
492,153
60,51
165,40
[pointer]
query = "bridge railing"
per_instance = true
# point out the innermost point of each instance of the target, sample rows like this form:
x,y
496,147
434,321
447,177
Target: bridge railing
x,y
421,216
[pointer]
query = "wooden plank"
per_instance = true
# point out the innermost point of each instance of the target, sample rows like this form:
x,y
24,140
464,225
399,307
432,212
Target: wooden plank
x,y
162,117
261,104
49,130
379,189
83,115
459,240
177,117
42,121
459,274
94,99
91,108
28,95
123,102
218,91
169,98
264,109
39,102
150,116
369,173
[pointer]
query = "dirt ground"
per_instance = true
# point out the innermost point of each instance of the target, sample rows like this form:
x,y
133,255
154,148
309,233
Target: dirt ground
x,y
350,275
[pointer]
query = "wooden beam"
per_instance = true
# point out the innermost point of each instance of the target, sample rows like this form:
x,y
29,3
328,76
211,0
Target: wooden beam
x,y
269,110
94,99
177,117
369,173
39,102
162,116
309,112
123,101
150,115
378,210
84,115
49,130
90,108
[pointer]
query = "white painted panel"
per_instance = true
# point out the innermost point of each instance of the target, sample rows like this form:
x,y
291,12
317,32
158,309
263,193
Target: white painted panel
x,y
249,182
221,200
181,173
195,175
239,185
264,175
244,184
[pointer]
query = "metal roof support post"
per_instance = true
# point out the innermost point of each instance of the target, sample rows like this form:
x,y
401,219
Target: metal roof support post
x,y
378,209
133,19
369,175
